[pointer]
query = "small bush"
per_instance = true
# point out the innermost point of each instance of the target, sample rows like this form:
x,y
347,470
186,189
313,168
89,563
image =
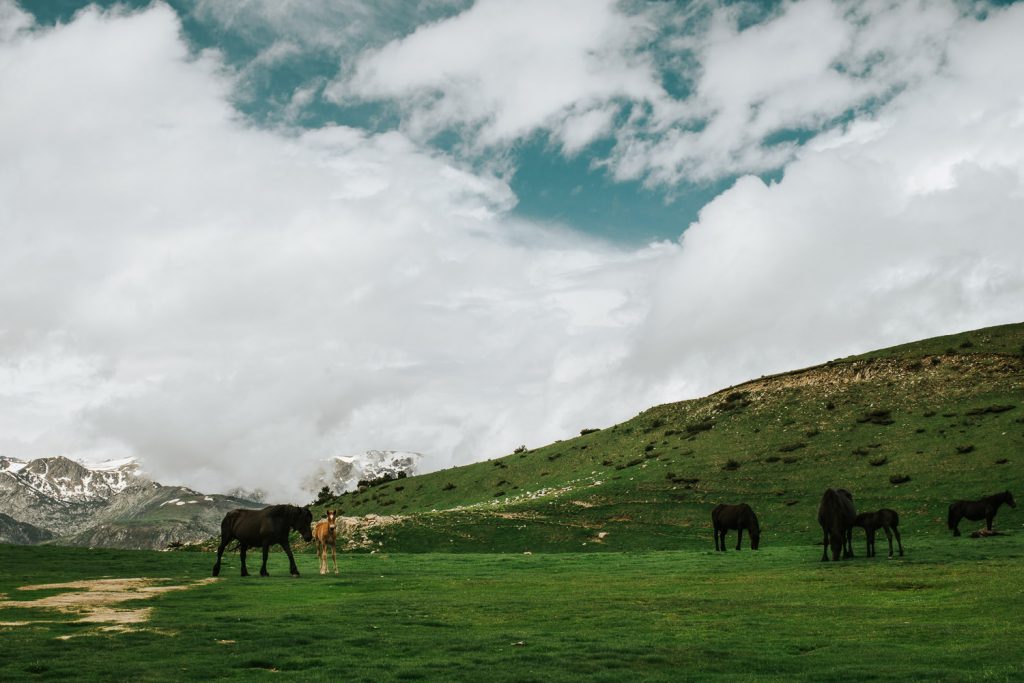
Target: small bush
x,y
589,430
521,449
772,458
1002,461
698,427
448,487
877,417
731,464
790,447
963,450
878,462
898,479
789,460
996,408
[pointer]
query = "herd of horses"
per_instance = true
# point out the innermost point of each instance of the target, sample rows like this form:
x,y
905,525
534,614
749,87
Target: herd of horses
x,y
837,516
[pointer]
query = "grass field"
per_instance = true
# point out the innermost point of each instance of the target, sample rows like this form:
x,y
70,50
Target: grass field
x,y
589,558
949,610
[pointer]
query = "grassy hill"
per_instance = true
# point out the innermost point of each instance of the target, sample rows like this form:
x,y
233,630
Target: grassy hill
x,y
911,427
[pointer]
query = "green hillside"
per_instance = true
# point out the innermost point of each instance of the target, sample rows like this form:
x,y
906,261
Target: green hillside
x,y
912,427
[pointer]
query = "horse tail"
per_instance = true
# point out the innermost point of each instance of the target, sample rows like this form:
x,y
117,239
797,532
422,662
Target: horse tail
x,y
951,519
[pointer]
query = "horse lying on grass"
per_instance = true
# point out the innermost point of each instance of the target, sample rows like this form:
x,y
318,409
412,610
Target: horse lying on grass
x,y
975,510
739,517
264,528
885,519
325,534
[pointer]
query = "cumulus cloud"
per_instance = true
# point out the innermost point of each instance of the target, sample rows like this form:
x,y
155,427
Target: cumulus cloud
x,y
509,68
239,298
231,303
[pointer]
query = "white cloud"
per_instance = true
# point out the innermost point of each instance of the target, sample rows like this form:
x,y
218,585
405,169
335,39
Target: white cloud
x,y
508,68
241,301
230,303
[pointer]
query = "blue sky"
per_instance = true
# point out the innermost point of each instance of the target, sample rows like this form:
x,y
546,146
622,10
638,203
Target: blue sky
x,y
241,236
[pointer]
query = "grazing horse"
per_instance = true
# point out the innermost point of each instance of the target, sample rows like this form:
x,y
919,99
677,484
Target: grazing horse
x,y
975,510
325,534
739,517
264,528
836,514
885,519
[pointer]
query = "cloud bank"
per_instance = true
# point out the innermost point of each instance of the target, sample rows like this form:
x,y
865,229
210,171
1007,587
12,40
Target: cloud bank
x,y
231,303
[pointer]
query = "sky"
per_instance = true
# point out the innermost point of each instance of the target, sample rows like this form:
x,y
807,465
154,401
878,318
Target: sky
x,y
238,237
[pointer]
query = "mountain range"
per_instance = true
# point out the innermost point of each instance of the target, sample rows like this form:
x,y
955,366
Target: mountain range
x,y
112,504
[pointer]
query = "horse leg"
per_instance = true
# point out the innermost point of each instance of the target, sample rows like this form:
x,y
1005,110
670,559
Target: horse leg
x,y
896,531
888,536
266,553
988,519
955,524
848,543
220,552
292,567
724,532
321,555
241,557
739,538
824,546
334,555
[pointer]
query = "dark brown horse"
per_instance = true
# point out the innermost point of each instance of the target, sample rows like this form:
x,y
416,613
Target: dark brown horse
x,y
264,528
885,519
836,514
975,510
739,517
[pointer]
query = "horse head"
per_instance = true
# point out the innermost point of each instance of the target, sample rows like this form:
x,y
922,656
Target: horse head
x,y
1009,499
331,523
303,523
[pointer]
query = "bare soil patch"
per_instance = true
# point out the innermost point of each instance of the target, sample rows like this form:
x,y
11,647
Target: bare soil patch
x,y
99,600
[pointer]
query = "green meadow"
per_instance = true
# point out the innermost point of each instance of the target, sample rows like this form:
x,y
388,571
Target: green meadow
x,y
591,558
948,610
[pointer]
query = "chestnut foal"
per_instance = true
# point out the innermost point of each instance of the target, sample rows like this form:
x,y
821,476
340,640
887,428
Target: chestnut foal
x,y
325,533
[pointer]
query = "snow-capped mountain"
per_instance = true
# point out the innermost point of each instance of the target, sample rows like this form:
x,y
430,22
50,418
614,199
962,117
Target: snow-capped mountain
x,y
344,472
72,481
109,504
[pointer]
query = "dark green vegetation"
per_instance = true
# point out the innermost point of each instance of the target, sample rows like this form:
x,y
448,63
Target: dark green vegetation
x,y
947,611
944,417
912,428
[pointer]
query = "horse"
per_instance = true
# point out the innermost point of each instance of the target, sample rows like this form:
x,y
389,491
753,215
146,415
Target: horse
x,y
885,519
975,510
836,514
325,534
739,517
266,527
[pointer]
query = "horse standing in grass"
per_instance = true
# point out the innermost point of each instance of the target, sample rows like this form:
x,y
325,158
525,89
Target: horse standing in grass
x,y
975,510
325,534
264,528
885,519
739,517
836,514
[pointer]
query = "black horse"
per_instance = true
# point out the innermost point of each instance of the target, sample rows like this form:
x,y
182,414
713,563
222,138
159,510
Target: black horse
x,y
836,514
885,519
975,510
739,517
263,528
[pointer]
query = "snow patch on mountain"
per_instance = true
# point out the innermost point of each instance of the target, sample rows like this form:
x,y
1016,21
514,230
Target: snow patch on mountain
x,y
344,472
